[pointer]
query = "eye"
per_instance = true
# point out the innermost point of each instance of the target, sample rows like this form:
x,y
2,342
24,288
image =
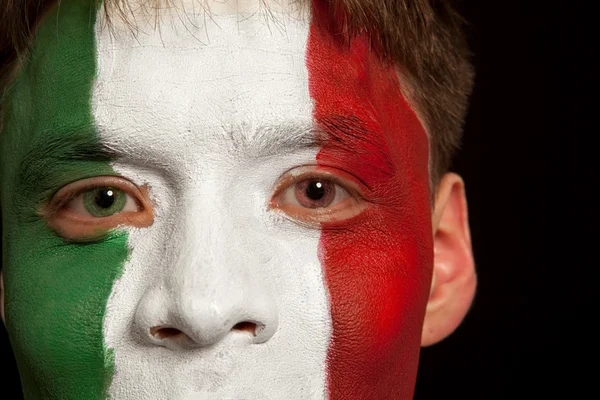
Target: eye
x,y
315,195
87,209
102,202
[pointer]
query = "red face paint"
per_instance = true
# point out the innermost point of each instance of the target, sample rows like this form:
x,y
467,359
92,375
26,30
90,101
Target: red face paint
x,y
378,268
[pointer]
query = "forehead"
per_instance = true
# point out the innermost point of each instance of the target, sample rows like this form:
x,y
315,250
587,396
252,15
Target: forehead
x,y
225,69
200,73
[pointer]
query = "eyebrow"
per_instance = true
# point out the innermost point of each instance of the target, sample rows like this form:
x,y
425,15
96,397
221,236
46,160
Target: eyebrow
x,y
271,140
45,154
345,132
351,134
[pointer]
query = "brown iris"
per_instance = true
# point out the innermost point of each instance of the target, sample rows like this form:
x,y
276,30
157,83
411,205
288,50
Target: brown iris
x,y
315,195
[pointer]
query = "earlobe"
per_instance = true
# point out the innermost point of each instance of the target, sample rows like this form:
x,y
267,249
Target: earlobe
x,y
454,280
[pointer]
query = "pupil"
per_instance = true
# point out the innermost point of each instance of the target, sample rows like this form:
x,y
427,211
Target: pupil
x,y
105,198
315,190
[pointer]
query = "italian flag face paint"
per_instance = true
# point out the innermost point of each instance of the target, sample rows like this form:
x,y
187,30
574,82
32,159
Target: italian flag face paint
x,y
209,114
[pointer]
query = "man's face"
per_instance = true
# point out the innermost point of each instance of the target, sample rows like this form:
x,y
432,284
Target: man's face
x,y
226,205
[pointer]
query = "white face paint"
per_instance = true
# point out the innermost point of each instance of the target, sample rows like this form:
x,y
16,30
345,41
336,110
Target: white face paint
x,y
207,110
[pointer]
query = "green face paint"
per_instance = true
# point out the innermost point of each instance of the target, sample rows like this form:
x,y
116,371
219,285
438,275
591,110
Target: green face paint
x,y
56,292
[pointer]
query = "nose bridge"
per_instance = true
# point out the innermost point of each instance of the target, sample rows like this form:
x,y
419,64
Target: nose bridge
x,y
204,265
208,288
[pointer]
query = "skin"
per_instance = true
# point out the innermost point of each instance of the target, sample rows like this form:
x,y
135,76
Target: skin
x,y
220,278
55,328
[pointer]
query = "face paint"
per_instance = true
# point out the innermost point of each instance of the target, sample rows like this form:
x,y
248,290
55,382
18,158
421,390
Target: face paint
x,y
378,269
208,114
56,292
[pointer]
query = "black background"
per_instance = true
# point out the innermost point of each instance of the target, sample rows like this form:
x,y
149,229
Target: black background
x,y
508,344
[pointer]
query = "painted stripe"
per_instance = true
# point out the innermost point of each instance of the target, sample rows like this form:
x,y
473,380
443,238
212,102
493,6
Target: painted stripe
x,y
378,269
56,292
201,112
188,108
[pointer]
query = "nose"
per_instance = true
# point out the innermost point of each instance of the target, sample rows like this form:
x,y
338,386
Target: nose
x,y
173,334
199,314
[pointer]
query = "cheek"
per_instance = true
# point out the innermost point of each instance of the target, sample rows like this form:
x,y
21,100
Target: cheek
x,y
55,299
378,280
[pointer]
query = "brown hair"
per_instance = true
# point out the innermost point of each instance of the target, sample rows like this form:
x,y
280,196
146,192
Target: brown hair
x,y
423,38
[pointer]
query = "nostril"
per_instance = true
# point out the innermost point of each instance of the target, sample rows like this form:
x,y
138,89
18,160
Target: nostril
x,y
165,332
245,326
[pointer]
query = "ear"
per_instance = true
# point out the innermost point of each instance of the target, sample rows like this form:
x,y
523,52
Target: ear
x,y
453,283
